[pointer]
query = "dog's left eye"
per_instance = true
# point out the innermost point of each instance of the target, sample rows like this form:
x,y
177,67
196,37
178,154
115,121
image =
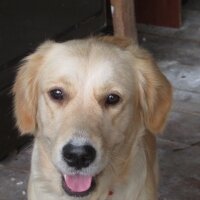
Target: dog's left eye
x,y
57,94
112,99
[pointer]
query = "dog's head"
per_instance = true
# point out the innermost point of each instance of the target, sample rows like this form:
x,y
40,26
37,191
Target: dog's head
x,y
88,101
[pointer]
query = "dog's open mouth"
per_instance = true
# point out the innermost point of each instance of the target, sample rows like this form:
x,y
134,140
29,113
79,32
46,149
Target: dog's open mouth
x,y
78,185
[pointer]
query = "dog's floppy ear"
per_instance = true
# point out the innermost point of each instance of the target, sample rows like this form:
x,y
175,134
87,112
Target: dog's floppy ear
x,y
155,91
25,90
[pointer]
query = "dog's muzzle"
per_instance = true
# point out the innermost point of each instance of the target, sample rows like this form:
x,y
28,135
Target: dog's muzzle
x,y
78,157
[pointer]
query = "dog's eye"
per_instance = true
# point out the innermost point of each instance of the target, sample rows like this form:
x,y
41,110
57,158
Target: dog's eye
x,y
57,94
112,99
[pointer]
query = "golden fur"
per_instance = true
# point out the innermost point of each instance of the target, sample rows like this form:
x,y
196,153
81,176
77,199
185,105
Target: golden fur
x,y
124,135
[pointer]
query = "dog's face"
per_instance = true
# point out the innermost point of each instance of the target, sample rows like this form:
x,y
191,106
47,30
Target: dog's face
x,y
83,108
86,100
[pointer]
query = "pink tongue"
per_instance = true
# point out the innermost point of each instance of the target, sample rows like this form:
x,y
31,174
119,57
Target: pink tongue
x,y
78,183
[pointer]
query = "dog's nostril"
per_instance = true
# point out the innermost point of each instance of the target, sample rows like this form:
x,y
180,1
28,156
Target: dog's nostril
x,y
79,156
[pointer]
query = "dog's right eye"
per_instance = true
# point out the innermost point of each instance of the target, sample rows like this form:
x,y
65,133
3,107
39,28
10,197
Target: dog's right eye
x,y
57,94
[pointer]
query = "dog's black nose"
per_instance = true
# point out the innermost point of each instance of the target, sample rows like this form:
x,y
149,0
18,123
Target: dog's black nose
x,y
78,156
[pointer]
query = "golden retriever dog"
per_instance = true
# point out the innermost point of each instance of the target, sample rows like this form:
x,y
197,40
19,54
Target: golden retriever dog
x,y
94,106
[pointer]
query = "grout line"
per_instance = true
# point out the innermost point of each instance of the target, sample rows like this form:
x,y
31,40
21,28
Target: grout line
x,y
185,90
186,112
15,169
169,37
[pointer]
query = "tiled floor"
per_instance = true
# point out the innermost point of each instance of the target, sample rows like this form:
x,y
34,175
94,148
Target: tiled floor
x,y
178,54
14,176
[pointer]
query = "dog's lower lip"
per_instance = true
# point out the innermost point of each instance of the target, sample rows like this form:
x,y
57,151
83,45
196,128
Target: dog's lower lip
x,y
78,194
